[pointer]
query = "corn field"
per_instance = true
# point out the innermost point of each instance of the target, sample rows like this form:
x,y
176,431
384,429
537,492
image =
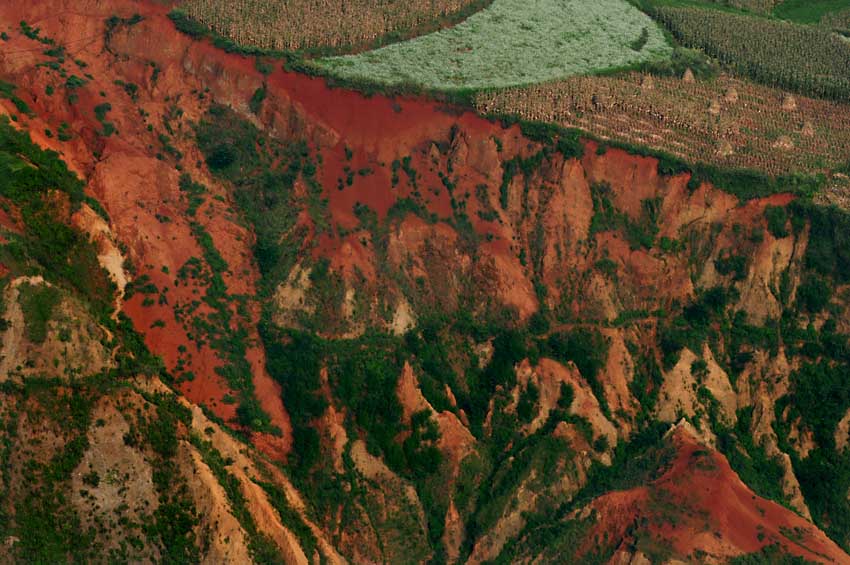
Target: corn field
x,y
805,59
297,24
838,21
726,122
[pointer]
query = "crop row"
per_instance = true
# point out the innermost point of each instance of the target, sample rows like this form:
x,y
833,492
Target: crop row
x,y
725,121
298,24
806,59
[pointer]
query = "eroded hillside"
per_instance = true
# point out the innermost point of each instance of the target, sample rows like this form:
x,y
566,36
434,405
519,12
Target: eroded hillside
x,y
400,332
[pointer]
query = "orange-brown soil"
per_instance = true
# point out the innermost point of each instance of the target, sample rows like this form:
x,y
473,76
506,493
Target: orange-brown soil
x,y
540,235
699,506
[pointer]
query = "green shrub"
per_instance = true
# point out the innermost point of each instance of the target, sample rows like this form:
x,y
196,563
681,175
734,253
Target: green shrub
x,y
588,349
763,474
828,251
526,407
813,294
256,102
421,453
187,25
606,217
37,303
777,218
731,264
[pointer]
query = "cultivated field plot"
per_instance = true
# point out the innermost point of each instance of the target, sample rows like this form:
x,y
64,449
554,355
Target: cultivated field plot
x,y
511,43
295,24
808,59
838,22
724,121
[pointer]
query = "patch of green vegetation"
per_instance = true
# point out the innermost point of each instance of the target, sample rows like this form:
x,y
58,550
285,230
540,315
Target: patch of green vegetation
x,y
807,11
47,528
100,112
131,89
34,33
539,454
430,346
257,99
681,60
777,219
326,293
225,331
763,474
818,398
828,251
646,383
294,359
813,294
64,133
606,217
73,83
364,377
291,518
552,534
773,554
115,23
37,304
694,326
263,173
729,263
587,348
527,405
510,346
7,91
194,29
195,192
262,548
173,522
63,255
822,476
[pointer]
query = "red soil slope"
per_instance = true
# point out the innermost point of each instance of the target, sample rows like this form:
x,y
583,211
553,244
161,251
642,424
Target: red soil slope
x,y
137,189
700,506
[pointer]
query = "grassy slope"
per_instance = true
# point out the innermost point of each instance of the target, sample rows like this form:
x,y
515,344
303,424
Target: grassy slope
x,y
809,11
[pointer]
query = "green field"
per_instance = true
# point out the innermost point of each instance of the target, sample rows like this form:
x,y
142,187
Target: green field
x,y
807,59
513,43
809,11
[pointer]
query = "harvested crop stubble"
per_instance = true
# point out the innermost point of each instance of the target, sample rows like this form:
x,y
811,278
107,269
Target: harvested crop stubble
x,y
298,24
514,42
726,121
807,59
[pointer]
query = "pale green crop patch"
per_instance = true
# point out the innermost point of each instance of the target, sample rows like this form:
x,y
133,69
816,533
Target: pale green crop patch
x,y
513,43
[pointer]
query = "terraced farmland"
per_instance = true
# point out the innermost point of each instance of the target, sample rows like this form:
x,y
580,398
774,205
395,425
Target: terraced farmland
x,y
807,59
511,43
726,121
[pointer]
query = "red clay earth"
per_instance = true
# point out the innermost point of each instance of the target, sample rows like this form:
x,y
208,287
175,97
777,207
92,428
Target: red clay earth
x,y
139,190
700,505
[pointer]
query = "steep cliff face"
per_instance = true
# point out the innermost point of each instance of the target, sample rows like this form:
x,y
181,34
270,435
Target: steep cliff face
x,y
454,335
